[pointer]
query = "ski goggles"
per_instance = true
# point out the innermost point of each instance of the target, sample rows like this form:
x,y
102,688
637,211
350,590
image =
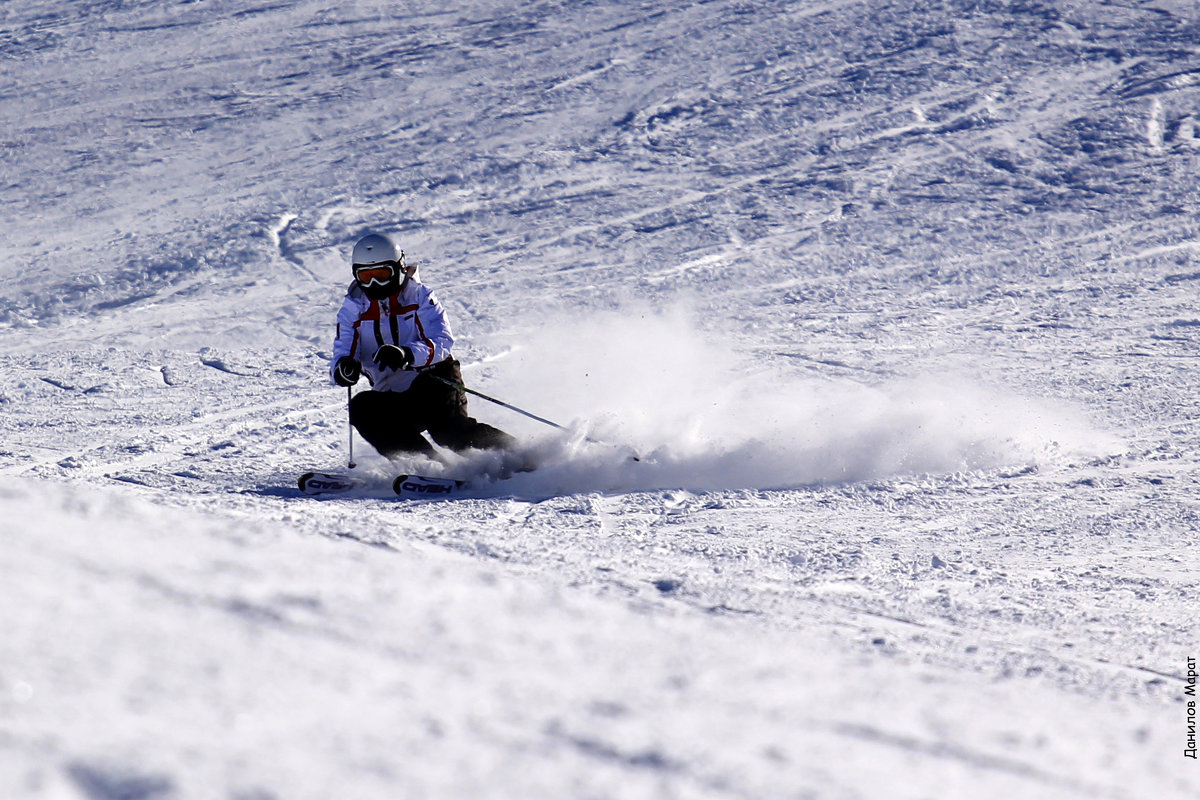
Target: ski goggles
x,y
372,274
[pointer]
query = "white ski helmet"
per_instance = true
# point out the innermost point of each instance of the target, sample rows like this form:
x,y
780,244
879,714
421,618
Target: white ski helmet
x,y
378,266
375,248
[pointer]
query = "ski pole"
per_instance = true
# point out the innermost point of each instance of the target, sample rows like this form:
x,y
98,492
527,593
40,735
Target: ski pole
x,y
455,384
460,387
350,425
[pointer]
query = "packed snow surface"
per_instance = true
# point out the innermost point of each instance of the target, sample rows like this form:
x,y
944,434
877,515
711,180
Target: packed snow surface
x,y
894,303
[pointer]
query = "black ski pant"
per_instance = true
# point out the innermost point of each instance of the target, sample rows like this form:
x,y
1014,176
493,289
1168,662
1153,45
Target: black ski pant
x,y
392,422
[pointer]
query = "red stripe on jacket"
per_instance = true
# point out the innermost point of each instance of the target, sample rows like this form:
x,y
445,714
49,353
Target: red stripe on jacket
x,y
424,338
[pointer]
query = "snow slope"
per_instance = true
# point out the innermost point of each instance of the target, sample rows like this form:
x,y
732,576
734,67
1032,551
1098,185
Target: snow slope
x,y
895,300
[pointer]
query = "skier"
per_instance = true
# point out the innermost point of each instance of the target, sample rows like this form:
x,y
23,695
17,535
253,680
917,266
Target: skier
x,y
392,329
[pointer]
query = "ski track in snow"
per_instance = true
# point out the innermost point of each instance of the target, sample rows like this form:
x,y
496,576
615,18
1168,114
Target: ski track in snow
x,y
895,300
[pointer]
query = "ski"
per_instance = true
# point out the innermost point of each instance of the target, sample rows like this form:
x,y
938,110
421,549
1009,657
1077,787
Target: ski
x,y
330,483
409,486
426,486
333,484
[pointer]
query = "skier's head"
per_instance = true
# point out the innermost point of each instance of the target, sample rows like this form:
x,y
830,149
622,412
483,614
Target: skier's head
x,y
378,266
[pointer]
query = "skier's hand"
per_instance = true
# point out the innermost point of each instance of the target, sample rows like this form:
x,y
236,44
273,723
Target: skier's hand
x,y
348,371
392,357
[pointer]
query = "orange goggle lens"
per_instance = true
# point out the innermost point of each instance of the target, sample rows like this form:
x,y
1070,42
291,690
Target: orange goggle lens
x,y
377,274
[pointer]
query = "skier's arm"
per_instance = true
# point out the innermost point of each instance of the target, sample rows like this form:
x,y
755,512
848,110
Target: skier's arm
x,y
344,340
434,338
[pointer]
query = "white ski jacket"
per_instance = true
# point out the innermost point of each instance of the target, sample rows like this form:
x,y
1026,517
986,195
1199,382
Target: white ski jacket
x,y
412,318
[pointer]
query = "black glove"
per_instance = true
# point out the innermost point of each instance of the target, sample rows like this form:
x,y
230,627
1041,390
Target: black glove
x,y
392,357
347,372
